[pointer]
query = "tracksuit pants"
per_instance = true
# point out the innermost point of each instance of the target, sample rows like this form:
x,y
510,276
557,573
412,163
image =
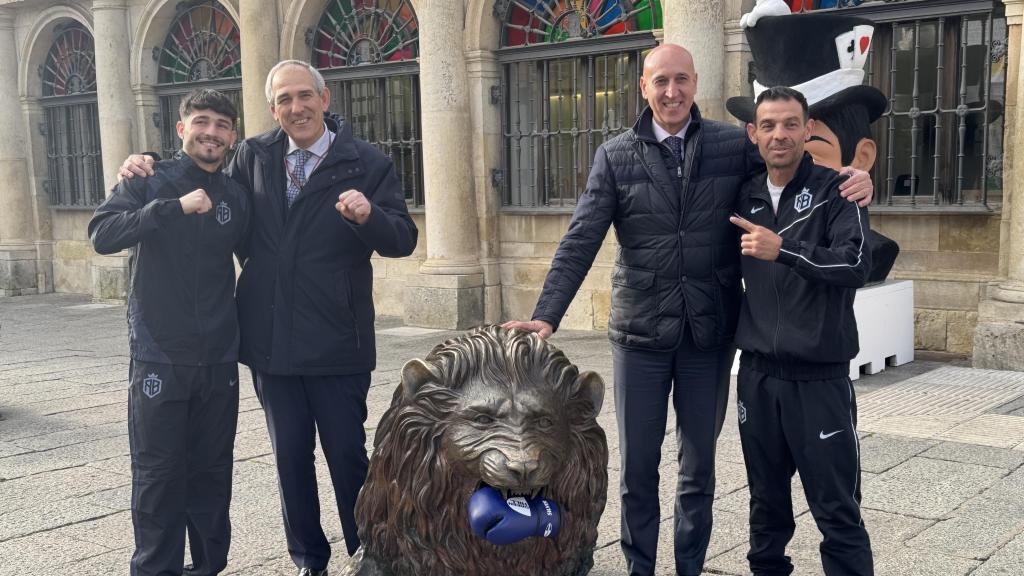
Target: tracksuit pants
x,y
697,383
805,426
181,430
297,408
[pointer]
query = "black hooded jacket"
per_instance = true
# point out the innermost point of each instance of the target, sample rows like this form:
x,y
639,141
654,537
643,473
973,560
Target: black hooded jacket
x,y
797,319
181,308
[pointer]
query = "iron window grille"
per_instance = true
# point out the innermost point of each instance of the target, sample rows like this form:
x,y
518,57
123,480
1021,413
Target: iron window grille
x,y
569,82
367,52
74,165
201,49
943,65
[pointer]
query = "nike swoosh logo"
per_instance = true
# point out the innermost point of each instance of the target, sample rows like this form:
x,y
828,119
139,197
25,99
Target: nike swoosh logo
x,y
231,382
824,436
756,210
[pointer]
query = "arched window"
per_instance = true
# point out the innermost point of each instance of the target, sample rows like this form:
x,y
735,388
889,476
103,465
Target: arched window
x,y
71,120
367,51
570,80
201,49
942,63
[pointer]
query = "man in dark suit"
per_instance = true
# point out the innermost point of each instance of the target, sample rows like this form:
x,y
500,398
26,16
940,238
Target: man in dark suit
x,y
323,203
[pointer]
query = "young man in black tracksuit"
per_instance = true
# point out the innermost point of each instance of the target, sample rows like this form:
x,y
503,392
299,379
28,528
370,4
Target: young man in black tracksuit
x,y
181,226
803,259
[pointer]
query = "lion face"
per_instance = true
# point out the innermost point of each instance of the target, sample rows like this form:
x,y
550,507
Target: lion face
x,y
495,407
507,438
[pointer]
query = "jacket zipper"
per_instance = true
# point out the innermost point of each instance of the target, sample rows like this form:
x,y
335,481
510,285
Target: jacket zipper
x,y
195,294
778,297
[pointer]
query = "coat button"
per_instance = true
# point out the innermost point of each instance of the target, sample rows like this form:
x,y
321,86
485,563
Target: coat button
x,y
684,278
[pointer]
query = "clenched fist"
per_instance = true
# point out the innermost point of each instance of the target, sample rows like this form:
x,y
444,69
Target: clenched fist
x,y
354,206
196,202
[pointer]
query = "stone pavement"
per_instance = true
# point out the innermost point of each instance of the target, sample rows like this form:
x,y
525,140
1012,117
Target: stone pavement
x,y
942,452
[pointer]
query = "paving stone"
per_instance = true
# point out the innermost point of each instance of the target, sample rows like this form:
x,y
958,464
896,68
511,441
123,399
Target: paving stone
x,y
10,449
29,491
905,561
926,488
76,436
968,537
974,454
47,515
880,452
113,532
994,430
114,562
50,553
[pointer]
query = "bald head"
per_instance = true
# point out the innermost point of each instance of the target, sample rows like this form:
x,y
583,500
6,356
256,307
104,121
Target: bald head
x,y
669,84
670,52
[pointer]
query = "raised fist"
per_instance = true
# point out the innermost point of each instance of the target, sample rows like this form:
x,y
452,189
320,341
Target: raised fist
x,y
196,202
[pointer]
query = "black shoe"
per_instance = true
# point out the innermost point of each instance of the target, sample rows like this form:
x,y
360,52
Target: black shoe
x,y
312,572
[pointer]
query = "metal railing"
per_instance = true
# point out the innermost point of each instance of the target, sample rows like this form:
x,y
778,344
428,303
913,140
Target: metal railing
x,y
557,111
74,161
384,110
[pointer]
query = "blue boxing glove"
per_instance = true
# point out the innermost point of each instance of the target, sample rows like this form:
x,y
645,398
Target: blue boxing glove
x,y
501,521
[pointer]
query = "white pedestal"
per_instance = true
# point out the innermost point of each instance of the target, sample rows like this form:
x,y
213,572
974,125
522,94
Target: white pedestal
x,y
885,324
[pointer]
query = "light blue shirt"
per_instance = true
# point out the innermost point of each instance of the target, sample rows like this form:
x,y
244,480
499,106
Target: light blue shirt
x,y
318,150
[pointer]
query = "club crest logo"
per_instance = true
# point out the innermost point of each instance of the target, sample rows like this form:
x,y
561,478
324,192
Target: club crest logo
x,y
152,385
519,504
223,213
803,200
741,411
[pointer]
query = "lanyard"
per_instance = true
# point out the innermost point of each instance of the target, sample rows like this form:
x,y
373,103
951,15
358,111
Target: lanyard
x,y
320,159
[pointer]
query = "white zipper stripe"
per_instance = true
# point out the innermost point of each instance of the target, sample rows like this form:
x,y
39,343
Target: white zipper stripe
x,y
860,249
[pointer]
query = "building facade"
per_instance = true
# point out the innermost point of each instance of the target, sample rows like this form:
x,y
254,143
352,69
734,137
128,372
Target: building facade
x,y
491,110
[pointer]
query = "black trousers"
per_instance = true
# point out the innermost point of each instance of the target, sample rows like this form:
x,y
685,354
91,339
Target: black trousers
x,y
807,426
181,430
697,382
297,407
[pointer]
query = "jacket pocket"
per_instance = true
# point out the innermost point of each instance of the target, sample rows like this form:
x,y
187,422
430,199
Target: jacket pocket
x,y
634,301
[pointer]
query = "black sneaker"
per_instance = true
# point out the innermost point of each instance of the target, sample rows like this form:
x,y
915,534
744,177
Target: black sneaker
x,y
312,572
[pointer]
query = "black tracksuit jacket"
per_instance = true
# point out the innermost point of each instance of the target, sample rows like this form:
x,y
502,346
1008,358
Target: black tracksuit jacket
x,y
796,320
181,306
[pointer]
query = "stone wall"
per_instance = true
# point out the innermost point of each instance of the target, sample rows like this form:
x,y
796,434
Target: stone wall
x,y
950,258
72,251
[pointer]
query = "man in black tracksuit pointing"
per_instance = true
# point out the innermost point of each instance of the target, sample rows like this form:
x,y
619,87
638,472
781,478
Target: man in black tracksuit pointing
x,y
803,259
182,226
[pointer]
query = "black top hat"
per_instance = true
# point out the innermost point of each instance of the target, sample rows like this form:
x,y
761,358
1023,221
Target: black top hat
x,y
822,55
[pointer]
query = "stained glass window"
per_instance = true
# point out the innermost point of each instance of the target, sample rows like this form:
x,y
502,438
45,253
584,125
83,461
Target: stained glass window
x,y
74,167
367,50
203,44
71,64
530,22
562,102
354,32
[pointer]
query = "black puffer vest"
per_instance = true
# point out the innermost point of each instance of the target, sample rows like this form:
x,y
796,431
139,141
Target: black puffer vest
x,y
678,256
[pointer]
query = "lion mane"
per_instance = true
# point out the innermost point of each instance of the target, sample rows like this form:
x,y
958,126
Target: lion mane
x,y
412,511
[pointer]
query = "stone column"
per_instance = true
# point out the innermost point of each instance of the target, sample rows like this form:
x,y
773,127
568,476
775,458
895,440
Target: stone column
x,y
116,106
261,38
18,274
448,291
999,336
699,27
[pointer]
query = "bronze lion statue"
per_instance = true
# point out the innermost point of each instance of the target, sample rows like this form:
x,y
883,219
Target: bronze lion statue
x,y
497,407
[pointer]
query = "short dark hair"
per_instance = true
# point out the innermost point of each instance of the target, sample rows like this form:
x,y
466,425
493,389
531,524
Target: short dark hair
x,y
207,99
780,93
850,123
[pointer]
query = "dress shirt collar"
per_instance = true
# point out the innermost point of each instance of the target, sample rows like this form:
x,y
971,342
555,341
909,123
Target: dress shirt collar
x,y
660,133
318,149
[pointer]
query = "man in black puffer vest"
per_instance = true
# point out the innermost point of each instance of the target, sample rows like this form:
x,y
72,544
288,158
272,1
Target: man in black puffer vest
x,y
668,185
